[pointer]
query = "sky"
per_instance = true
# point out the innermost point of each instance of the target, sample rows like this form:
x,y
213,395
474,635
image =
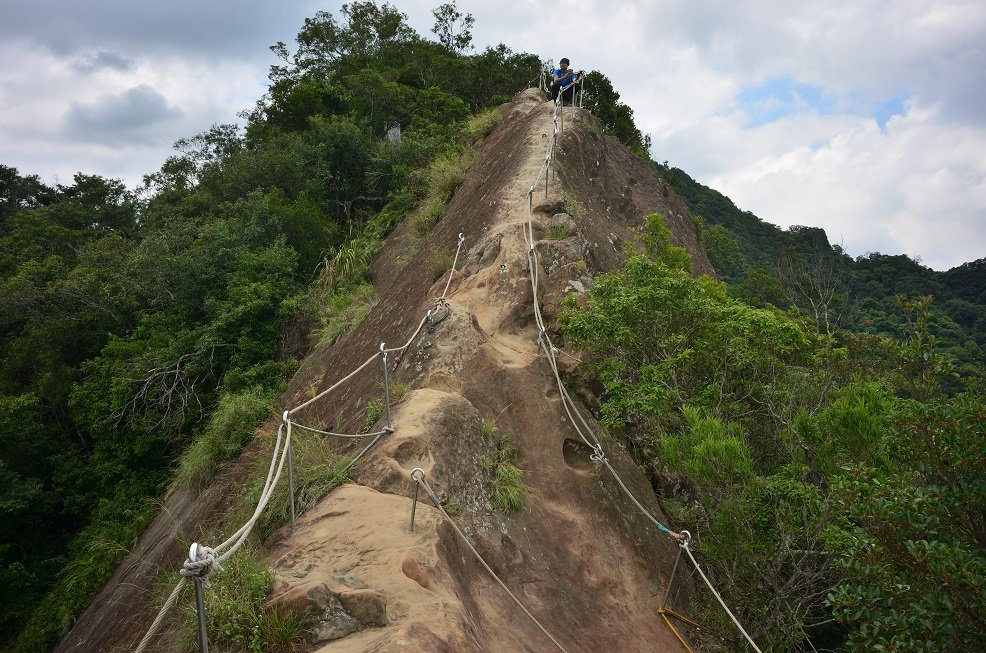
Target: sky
x,y
864,117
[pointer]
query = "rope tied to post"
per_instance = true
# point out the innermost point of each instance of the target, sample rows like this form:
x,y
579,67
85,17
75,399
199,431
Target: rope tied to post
x,y
206,562
203,561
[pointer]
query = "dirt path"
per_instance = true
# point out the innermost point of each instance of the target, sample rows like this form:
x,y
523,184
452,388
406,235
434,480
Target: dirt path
x,y
578,555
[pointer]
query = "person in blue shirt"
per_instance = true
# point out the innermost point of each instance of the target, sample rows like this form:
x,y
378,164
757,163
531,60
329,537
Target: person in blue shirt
x,y
563,81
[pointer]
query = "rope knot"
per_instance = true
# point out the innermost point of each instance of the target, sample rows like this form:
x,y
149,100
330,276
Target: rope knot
x,y
204,563
597,456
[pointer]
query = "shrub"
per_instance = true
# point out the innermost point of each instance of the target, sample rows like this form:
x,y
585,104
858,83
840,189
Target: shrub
x,y
558,232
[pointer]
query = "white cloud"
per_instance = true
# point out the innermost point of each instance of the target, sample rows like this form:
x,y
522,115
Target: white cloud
x,y
915,186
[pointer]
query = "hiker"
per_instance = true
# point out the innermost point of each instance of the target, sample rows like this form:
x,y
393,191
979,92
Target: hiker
x,y
563,81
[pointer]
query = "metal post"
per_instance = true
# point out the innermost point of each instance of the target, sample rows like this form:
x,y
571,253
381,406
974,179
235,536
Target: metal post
x,y
286,419
414,504
193,556
386,380
417,485
674,570
291,479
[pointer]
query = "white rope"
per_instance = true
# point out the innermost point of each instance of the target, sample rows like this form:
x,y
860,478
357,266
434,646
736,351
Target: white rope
x,y
371,358
211,559
420,479
237,538
413,336
203,568
549,349
561,389
438,302
719,598
338,435
162,613
452,271
335,385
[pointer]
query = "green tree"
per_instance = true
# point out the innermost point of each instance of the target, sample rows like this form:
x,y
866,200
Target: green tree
x,y
709,390
453,28
601,98
912,534
724,251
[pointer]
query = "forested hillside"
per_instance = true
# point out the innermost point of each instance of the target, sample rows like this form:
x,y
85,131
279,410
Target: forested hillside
x,y
762,263
814,420
135,322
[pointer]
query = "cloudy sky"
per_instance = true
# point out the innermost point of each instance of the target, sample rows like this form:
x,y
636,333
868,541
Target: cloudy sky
x,y
864,117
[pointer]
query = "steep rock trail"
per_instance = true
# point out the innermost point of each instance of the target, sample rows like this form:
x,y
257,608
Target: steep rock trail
x,y
579,555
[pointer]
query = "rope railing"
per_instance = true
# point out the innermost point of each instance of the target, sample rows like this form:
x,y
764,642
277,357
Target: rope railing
x,y
418,477
202,560
719,598
683,539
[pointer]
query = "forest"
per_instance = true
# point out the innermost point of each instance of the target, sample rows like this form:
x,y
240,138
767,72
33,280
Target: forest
x,y
838,401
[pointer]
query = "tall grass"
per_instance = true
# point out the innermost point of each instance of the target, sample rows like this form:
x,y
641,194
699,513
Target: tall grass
x,y
318,469
237,619
229,429
445,174
481,125
509,489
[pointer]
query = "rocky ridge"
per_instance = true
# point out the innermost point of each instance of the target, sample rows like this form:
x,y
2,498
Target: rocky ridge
x,y
579,555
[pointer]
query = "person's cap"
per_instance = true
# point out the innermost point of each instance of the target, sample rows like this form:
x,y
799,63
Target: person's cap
x,y
564,60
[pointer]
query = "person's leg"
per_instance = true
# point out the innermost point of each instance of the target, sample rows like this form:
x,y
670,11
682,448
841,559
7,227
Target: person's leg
x,y
554,90
567,93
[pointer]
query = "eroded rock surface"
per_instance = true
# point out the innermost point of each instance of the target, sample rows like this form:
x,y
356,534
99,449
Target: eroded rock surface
x,y
579,556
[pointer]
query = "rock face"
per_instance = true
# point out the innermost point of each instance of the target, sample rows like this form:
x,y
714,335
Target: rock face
x,y
579,556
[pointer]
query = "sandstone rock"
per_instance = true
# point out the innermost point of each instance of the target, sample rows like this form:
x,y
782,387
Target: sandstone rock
x,y
368,607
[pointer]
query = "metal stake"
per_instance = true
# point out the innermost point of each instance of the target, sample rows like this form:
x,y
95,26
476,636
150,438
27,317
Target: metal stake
x,y
193,556
291,479
417,486
674,570
286,420
386,381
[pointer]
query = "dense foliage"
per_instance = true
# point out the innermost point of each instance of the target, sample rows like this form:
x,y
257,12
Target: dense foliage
x,y
838,497
797,267
144,333
136,323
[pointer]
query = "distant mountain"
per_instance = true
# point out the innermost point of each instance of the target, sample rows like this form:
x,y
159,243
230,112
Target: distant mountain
x,y
753,257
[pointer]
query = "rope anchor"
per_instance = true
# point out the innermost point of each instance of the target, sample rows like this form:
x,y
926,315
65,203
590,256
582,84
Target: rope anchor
x,y
417,475
198,570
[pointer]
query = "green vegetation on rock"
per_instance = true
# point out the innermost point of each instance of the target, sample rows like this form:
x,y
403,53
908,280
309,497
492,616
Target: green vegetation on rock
x,y
838,496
